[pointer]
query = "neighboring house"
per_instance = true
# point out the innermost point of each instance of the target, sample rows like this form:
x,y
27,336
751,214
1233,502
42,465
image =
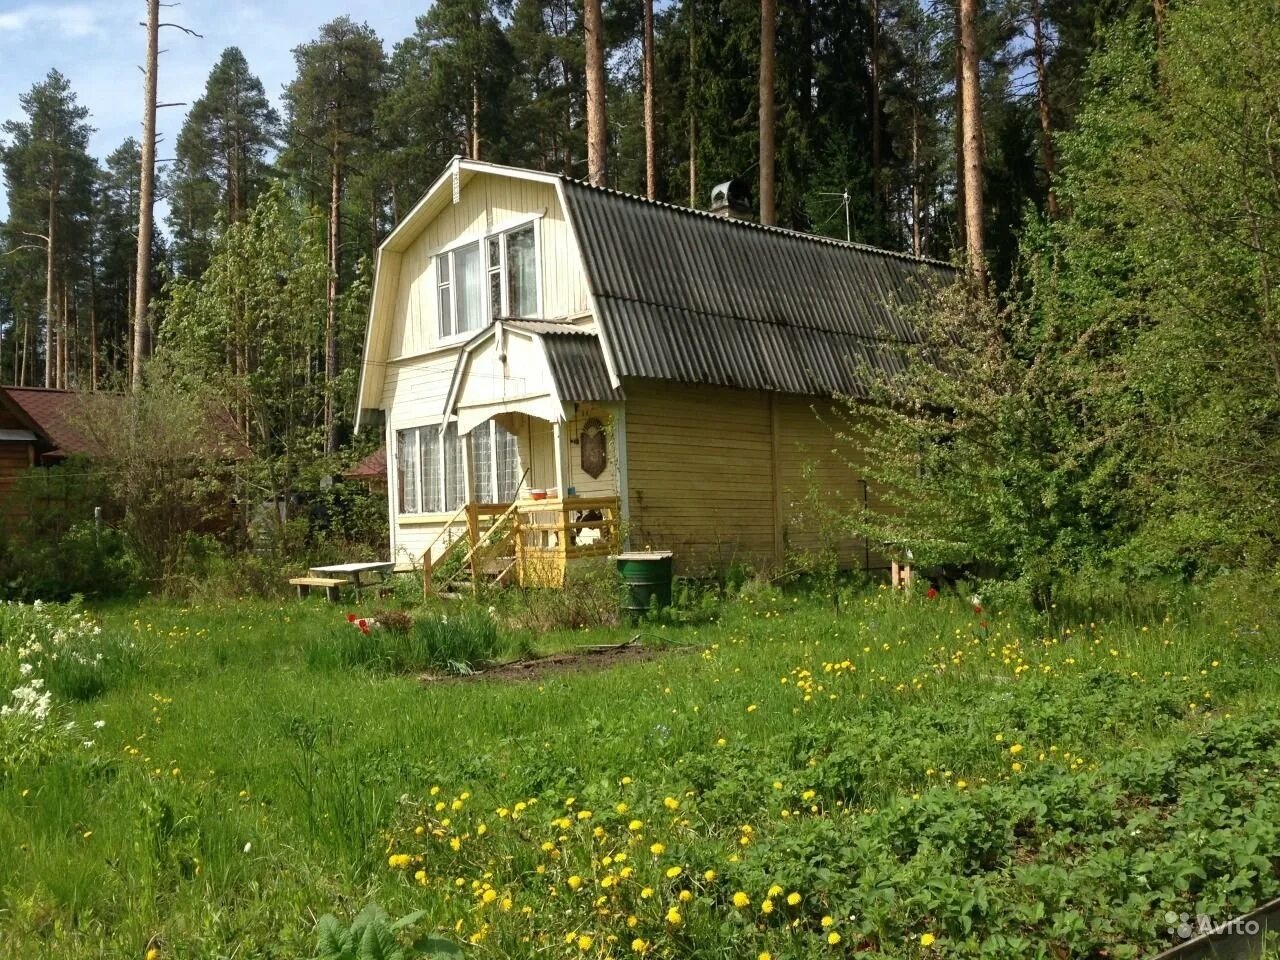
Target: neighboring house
x,y
663,374
38,428
371,471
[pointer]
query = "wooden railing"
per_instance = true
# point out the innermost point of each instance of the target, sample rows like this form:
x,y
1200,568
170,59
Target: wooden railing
x,y
550,533
535,538
431,562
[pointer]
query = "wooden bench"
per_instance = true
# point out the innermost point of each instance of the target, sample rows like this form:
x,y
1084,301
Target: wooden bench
x,y
330,584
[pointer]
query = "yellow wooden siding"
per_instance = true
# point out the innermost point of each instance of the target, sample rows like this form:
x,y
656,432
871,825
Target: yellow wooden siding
x,y
718,475
414,391
700,473
817,466
486,203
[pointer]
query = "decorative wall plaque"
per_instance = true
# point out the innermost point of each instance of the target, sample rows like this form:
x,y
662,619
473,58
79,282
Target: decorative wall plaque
x,y
592,443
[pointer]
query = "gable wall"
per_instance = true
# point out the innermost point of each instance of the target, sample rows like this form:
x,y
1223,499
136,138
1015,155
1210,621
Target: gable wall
x,y
487,202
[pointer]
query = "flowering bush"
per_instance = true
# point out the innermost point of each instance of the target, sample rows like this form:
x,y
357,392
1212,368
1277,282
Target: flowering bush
x,y
49,653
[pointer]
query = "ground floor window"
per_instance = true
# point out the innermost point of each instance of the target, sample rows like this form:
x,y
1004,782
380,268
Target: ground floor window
x,y
495,463
430,476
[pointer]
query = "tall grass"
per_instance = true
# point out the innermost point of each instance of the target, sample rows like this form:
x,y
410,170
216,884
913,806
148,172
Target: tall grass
x,y
253,763
457,641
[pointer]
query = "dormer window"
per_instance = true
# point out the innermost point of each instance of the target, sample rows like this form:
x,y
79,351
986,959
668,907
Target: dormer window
x,y
479,282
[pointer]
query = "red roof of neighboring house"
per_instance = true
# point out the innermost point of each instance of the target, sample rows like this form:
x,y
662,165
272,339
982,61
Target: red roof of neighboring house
x,y
54,416
58,419
371,467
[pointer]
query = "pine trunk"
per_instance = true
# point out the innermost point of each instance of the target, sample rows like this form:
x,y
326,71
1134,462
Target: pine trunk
x,y
916,239
331,314
1042,102
877,175
146,198
958,108
972,141
650,118
597,129
690,10
768,121
50,317
475,117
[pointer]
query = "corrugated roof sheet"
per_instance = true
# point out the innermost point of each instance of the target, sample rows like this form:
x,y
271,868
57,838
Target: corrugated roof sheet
x,y
543,326
686,295
577,365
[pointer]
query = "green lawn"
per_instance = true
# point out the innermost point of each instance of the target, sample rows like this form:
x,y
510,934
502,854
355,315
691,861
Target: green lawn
x,y
904,779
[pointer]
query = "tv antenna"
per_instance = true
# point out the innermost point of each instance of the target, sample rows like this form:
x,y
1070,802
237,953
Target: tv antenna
x,y
844,202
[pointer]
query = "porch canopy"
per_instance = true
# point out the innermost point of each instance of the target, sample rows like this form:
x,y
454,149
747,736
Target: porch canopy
x,y
538,368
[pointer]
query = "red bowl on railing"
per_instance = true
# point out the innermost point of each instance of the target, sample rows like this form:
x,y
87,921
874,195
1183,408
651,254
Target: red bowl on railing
x,y
537,494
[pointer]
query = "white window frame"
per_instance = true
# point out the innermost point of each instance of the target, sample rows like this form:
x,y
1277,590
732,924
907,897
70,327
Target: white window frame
x,y
434,433
491,429
446,278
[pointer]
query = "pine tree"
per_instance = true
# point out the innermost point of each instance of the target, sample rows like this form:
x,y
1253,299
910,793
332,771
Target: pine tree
x,y
548,93
332,103
117,223
48,177
768,118
971,125
220,162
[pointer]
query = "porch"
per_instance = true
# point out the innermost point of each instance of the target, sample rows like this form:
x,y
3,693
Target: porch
x,y
529,542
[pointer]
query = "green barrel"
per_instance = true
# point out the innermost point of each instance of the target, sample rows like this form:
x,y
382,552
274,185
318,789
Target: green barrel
x,y
647,577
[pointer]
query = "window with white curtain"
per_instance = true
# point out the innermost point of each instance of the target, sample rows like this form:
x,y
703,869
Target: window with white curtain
x,y
478,282
495,463
458,281
506,463
407,485
429,470
482,462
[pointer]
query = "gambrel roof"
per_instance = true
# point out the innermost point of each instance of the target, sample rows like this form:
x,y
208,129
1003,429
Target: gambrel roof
x,y
687,295
690,296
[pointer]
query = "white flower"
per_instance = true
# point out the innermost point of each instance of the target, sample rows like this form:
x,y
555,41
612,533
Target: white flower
x,y
25,668
88,744
248,846
99,724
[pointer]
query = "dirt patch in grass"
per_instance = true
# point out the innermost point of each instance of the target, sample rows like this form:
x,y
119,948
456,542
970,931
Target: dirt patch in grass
x,y
562,662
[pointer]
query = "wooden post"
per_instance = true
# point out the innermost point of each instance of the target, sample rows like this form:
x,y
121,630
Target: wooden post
x,y
427,587
557,441
519,535
473,533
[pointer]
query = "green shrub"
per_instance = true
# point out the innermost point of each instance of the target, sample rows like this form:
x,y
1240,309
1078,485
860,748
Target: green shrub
x,y
591,597
458,643
86,560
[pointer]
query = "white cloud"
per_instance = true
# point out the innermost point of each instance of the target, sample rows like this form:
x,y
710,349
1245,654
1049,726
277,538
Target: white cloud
x,y
66,19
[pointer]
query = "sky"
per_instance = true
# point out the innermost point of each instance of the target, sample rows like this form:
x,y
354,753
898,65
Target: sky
x,y
99,44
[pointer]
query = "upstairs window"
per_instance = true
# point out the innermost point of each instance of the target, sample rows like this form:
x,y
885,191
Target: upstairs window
x,y
458,286
521,269
479,282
